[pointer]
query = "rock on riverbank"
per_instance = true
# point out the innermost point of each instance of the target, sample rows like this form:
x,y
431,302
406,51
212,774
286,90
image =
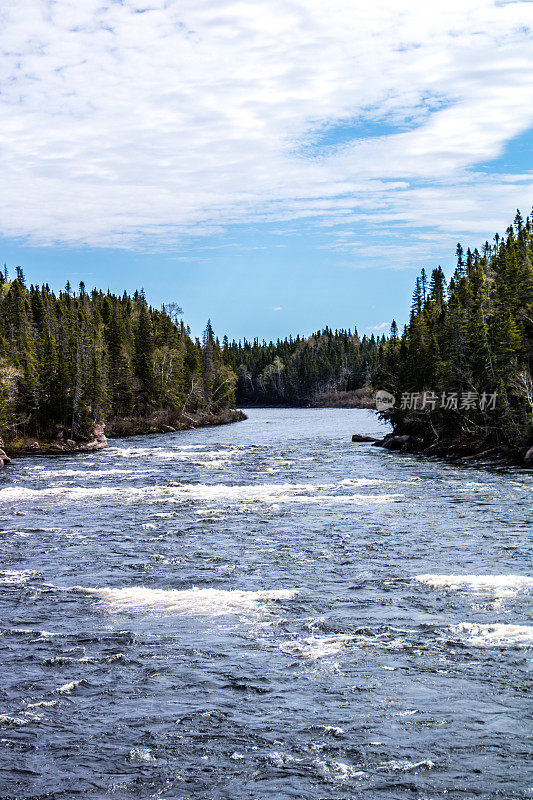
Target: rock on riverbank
x,y
171,422
97,439
467,450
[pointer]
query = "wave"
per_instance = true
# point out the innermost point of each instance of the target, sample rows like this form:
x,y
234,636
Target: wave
x,y
361,481
5,719
210,602
19,493
314,647
141,754
180,492
494,584
405,766
15,577
43,474
497,634
339,771
43,704
177,454
67,688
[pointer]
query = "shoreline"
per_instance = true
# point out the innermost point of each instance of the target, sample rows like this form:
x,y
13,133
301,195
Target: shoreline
x,y
474,452
120,429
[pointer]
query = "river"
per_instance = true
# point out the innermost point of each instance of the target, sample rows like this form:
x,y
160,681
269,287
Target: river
x,y
264,610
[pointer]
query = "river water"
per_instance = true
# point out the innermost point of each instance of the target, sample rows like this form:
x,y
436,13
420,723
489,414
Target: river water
x,y
264,610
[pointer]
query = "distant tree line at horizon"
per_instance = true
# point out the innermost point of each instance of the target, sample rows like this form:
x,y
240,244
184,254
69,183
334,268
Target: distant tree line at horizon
x,y
71,360
297,371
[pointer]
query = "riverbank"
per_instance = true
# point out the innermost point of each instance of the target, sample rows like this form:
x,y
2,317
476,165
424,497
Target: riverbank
x,y
474,450
118,428
358,398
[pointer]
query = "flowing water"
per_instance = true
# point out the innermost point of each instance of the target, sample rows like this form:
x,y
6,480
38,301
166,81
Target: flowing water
x,y
264,610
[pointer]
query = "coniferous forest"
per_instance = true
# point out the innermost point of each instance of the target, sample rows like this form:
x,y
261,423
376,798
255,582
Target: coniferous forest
x,y
74,360
329,367
461,372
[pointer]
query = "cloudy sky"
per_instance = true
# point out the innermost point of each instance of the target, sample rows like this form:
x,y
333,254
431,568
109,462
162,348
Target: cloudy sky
x,y
277,165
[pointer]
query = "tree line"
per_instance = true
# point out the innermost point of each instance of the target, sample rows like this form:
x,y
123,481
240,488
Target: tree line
x,y
73,359
462,367
297,371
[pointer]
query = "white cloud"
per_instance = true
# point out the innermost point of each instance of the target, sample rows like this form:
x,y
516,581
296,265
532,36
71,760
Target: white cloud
x,y
131,129
277,308
382,326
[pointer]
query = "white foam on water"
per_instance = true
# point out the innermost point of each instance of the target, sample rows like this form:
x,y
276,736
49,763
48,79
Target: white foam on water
x,y
141,754
361,481
15,577
216,463
332,730
209,602
47,474
405,766
67,688
339,771
192,452
499,585
495,635
116,657
408,713
473,486
264,493
5,719
19,493
352,499
182,492
43,704
314,647
280,759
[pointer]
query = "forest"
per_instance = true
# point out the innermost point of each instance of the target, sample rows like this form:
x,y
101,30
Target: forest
x,y
73,360
461,370
329,367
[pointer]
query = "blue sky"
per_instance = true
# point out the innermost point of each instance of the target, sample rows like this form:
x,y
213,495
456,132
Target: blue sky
x,y
274,166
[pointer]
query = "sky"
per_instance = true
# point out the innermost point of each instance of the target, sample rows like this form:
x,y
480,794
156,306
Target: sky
x,y
274,165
